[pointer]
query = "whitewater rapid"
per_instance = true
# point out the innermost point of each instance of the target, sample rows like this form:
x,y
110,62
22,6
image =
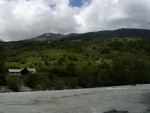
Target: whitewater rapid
x,y
135,99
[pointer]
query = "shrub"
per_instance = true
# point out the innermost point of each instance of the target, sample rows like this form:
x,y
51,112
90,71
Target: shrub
x,y
59,83
31,80
44,82
14,83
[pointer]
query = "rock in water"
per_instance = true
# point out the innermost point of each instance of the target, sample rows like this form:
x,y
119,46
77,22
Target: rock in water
x,y
115,111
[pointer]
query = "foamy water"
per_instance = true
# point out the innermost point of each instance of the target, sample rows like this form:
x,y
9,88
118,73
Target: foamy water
x,y
135,99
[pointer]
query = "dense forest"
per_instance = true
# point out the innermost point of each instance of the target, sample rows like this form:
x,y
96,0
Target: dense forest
x,y
76,64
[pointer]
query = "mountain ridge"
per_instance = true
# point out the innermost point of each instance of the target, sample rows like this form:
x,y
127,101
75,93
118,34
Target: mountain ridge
x,y
46,37
1,40
118,33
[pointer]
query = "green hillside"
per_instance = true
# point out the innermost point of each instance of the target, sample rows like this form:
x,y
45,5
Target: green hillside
x,y
74,64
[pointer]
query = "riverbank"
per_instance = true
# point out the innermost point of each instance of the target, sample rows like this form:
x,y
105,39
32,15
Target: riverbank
x,y
5,89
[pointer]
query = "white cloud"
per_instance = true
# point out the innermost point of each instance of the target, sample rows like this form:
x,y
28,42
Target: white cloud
x,y
21,19
113,14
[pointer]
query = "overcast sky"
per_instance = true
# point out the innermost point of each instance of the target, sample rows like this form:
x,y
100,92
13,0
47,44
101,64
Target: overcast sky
x,y
23,19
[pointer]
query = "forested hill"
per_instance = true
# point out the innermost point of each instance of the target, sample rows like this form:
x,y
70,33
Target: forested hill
x,y
120,33
78,64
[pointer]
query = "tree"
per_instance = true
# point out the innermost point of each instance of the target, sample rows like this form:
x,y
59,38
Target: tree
x,y
70,69
2,72
31,80
14,83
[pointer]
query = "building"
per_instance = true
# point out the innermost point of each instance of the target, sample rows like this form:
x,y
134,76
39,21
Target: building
x,y
23,71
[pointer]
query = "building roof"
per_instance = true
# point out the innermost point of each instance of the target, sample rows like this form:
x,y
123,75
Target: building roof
x,y
32,70
14,70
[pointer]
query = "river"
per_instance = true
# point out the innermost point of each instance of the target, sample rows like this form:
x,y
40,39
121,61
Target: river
x,y
135,99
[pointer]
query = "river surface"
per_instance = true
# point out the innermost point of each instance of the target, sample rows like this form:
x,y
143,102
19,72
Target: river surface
x,y
135,99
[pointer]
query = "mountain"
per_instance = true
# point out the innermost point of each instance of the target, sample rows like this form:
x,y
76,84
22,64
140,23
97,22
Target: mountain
x,y
1,40
46,37
120,33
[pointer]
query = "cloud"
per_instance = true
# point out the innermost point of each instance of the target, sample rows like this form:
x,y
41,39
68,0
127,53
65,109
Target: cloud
x,y
22,19
114,14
